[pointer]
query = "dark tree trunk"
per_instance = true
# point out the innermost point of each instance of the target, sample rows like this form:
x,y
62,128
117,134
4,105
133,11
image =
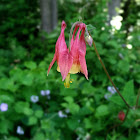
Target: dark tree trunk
x,y
112,8
48,15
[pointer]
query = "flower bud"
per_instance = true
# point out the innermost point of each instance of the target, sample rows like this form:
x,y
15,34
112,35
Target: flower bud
x,y
121,116
89,40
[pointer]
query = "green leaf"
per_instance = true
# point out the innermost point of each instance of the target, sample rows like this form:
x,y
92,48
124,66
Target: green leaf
x,y
47,124
97,126
85,111
117,100
30,64
88,88
123,66
32,120
39,113
74,108
68,92
39,136
16,74
27,78
90,27
6,98
72,124
101,111
104,37
88,123
128,92
69,99
20,106
138,137
5,125
13,138
112,43
7,84
27,111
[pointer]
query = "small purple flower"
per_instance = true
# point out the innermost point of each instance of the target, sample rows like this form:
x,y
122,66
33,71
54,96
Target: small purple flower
x,y
47,92
34,98
123,45
20,130
111,89
67,111
121,56
107,96
42,92
61,115
3,107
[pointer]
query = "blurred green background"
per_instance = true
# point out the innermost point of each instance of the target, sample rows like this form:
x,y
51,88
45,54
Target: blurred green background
x,y
36,107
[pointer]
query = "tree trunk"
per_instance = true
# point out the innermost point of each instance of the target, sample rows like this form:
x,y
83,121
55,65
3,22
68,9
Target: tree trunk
x,y
48,15
112,8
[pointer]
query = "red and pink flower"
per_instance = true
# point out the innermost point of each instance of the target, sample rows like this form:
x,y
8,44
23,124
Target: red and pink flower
x,y
71,61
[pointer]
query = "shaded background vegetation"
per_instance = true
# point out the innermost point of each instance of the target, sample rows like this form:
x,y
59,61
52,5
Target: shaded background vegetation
x,y
34,106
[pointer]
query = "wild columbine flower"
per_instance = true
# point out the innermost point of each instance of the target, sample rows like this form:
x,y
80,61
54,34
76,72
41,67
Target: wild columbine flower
x,y
71,61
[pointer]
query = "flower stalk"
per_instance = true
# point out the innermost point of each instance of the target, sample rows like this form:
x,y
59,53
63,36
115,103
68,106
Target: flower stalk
x,y
137,102
109,76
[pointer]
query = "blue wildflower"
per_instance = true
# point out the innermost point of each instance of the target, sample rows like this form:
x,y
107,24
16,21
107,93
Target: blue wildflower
x,y
111,89
3,107
20,130
61,115
34,98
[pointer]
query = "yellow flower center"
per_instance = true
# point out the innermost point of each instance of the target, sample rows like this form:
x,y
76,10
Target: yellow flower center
x,y
74,69
67,81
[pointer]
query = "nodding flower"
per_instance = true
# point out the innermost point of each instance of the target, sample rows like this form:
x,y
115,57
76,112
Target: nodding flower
x,y
71,61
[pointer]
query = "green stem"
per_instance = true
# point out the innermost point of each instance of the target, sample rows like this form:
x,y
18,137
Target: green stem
x,y
137,102
109,76
116,125
130,129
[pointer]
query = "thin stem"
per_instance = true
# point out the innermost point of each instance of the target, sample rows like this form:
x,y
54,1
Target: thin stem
x,y
137,102
138,120
109,76
116,125
70,36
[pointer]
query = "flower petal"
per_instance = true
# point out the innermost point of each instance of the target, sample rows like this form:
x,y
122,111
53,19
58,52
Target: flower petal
x,y
65,62
75,29
83,64
82,52
60,46
51,64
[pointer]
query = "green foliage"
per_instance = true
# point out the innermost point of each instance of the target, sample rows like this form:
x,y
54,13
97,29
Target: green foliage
x,y
41,106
